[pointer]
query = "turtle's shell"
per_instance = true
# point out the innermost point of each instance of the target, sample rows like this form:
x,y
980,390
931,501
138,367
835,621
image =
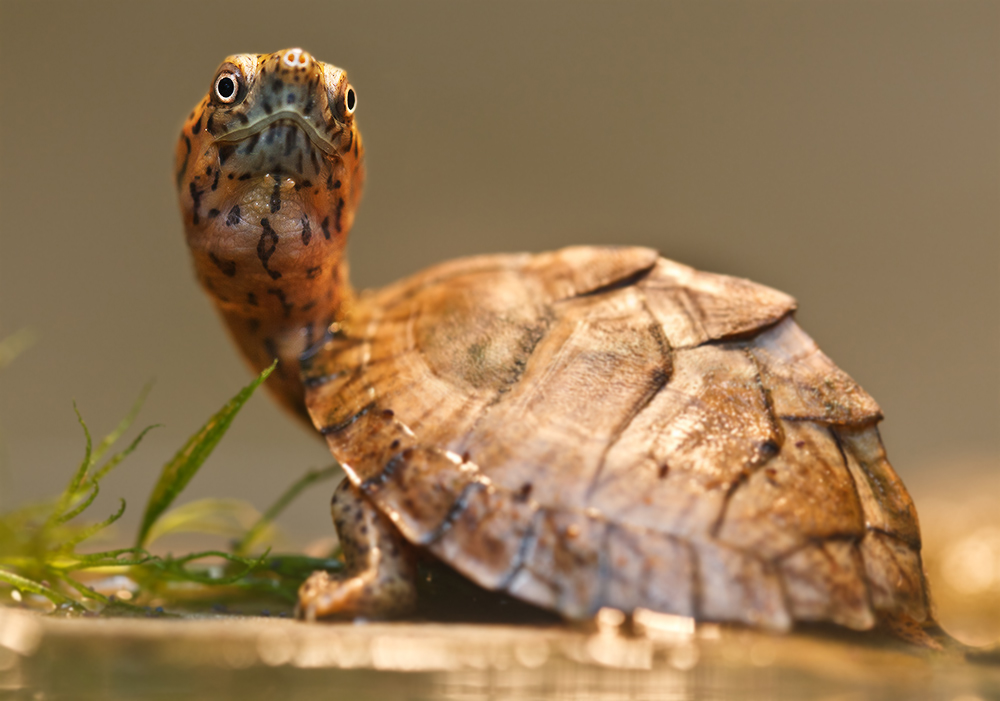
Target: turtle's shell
x,y
604,427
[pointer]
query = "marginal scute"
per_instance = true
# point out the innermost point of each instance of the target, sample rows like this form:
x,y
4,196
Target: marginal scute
x,y
650,570
421,490
563,564
805,384
492,523
887,505
895,576
736,586
696,307
804,493
825,581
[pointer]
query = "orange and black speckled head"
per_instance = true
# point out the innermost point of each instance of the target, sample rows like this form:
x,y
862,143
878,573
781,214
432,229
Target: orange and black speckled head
x,y
269,172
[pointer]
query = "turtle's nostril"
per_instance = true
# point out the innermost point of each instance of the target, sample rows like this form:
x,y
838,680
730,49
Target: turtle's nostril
x,y
297,58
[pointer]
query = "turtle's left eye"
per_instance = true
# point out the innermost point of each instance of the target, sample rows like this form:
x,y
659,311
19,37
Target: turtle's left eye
x,y
348,102
227,86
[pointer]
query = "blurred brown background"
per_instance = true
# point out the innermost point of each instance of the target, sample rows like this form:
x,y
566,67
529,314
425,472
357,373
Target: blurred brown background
x,y
845,152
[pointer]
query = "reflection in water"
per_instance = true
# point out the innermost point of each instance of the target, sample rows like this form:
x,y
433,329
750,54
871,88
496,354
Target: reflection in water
x,y
653,657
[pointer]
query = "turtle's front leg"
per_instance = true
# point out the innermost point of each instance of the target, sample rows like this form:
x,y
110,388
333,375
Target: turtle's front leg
x,y
379,581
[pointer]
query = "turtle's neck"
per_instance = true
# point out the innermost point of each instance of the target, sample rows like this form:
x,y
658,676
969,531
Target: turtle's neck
x,y
276,271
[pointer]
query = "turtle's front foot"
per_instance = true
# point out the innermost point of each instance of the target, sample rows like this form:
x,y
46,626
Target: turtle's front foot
x,y
379,581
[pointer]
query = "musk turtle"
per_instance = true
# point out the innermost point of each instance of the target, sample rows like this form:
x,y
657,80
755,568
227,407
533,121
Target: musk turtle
x,y
591,427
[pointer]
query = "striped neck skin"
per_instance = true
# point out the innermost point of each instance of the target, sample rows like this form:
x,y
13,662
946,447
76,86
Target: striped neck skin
x,y
269,175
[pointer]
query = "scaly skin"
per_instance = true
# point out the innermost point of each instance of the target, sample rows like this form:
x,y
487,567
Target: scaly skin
x,y
269,173
268,185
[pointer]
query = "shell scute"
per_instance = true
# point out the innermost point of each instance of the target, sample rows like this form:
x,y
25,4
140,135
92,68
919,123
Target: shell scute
x,y
672,468
736,586
595,347
422,490
826,582
804,493
651,570
697,307
895,576
803,382
886,503
495,525
564,564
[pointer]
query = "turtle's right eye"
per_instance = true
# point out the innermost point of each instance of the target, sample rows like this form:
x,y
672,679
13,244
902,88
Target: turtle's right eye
x,y
227,86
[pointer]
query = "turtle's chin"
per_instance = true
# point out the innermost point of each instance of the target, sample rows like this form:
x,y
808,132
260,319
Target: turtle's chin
x,y
285,146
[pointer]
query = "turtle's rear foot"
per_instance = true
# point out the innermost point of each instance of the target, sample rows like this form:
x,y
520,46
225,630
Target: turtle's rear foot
x,y
379,581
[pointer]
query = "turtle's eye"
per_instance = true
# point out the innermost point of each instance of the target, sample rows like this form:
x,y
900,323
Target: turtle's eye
x,y
349,102
227,85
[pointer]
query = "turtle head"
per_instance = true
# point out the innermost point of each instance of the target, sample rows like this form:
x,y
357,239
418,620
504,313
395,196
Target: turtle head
x,y
284,113
269,172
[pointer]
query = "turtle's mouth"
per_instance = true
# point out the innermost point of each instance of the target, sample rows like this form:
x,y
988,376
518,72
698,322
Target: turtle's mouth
x,y
278,119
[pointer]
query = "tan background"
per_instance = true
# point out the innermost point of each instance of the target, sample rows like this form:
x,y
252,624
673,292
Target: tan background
x,y
845,152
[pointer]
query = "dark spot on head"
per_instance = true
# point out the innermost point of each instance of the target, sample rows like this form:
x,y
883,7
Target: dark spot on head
x,y
800,444
225,151
394,444
244,120
251,299
245,176
290,99
253,325
251,143
340,210
388,413
325,225
314,272
279,294
215,182
271,347
196,200
663,471
213,213
228,267
306,233
234,217
276,198
196,127
524,492
267,244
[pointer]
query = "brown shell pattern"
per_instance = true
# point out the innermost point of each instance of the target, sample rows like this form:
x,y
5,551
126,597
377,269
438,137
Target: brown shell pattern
x,y
604,427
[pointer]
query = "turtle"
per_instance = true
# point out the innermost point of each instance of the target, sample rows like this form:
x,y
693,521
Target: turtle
x,y
594,427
